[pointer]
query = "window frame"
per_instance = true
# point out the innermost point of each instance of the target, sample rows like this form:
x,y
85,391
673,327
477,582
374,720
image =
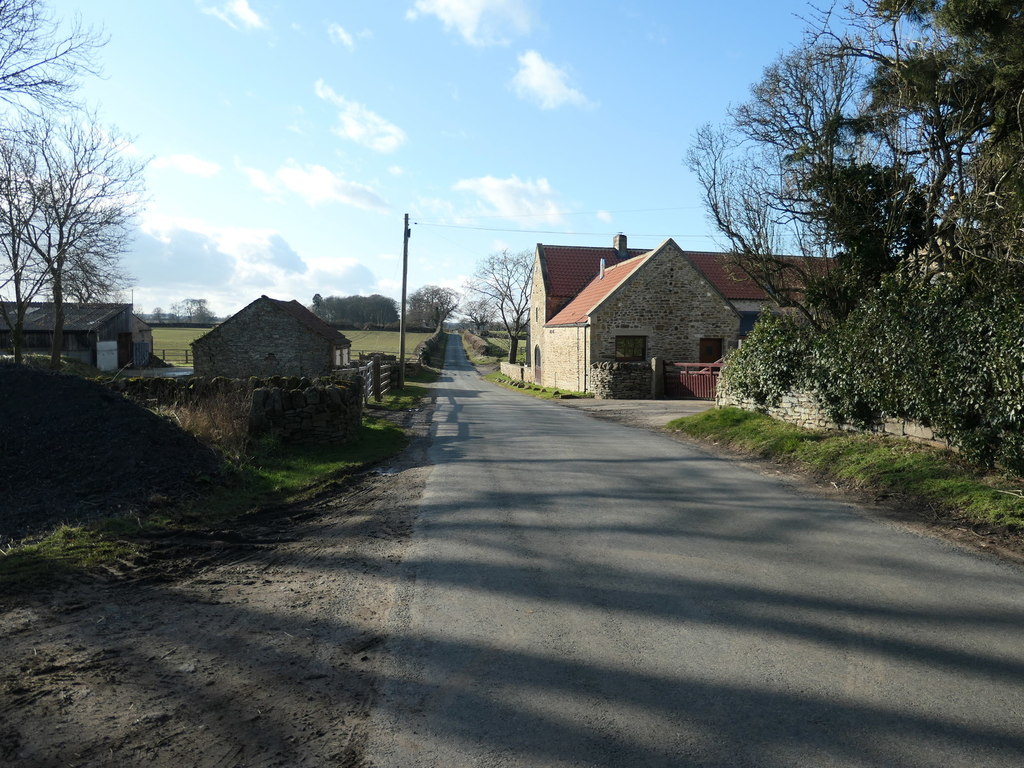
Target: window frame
x,y
630,340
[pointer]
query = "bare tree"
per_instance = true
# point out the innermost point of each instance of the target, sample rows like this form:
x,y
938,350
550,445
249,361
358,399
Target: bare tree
x,y
22,275
431,305
503,279
39,60
88,190
479,312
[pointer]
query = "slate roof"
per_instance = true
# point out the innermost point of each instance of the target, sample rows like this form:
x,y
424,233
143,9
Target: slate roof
x,y
311,321
77,317
578,310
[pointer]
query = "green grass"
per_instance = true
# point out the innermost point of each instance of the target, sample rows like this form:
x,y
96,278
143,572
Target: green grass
x,y
176,338
935,477
543,393
499,346
273,475
386,342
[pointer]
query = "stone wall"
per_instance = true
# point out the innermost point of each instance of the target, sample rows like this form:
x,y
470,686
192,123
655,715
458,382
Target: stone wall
x,y
802,409
514,371
565,357
292,409
262,340
621,381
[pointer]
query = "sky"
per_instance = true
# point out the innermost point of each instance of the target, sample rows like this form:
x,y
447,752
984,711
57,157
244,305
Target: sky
x,y
286,139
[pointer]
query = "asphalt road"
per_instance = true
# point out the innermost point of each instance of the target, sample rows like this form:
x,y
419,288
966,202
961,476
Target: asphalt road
x,y
581,593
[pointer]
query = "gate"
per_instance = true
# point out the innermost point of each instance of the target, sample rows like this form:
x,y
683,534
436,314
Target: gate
x,y
697,381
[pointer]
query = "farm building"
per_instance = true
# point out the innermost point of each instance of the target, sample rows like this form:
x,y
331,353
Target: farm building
x,y
270,337
595,305
108,336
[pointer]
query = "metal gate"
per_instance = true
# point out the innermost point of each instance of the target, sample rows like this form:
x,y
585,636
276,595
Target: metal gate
x,y
697,381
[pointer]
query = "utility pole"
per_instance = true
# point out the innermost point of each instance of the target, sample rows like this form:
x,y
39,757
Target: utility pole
x,y
401,320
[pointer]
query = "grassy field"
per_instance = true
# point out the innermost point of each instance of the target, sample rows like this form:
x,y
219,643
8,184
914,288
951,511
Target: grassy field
x,y
176,338
386,342
382,341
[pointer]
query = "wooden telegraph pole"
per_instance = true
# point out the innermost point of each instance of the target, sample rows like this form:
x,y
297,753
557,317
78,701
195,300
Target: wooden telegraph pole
x,y
401,320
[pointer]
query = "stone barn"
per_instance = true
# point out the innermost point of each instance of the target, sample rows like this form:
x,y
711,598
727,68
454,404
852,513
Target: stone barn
x,y
270,337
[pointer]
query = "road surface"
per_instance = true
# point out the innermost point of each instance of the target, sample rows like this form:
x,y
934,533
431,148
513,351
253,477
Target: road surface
x,y
582,593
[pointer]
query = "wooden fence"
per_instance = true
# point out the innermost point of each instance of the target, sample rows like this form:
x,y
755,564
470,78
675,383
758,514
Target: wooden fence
x,y
692,380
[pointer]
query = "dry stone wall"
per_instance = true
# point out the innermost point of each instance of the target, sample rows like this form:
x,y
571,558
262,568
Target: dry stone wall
x,y
621,381
803,409
289,408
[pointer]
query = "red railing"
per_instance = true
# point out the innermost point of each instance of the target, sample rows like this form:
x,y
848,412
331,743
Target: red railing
x,y
692,380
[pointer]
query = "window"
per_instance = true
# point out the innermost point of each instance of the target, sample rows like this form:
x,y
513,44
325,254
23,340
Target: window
x,y
630,348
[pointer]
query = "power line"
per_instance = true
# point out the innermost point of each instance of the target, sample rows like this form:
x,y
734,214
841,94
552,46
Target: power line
x,y
544,231
580,213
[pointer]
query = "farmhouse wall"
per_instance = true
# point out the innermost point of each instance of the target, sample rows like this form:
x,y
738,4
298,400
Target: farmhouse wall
x,y
565,357
803,409
672,304
262,341
621,381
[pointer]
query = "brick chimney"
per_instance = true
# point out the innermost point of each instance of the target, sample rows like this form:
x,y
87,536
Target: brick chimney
x,y
619,243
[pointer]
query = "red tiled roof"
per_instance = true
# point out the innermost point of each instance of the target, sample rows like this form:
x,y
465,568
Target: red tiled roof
x,y
578,310
569,269
310,320
729,279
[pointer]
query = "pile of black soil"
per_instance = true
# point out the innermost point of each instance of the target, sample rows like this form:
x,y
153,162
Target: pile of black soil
x,y
71,450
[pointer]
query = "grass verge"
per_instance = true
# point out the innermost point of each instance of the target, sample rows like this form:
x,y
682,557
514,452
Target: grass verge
x,y
938,479
534,390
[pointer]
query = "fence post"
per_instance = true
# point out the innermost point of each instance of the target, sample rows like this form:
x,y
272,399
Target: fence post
x,y
657,378
375,368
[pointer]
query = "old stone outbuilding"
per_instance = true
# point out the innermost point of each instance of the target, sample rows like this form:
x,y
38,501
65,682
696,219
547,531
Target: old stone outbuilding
x,y
270,337
598,309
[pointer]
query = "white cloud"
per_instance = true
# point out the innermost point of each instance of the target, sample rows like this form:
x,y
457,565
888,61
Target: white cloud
x,y
513,198
396,170
316,184
260,180
237,14
174,258
545,84
604,216
189,164
480,22
359,124
338,34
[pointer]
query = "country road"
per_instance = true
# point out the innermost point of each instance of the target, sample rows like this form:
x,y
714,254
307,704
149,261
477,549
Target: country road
x,y
582,593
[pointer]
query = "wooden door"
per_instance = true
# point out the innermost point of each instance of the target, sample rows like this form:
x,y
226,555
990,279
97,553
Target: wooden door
x,y
710,350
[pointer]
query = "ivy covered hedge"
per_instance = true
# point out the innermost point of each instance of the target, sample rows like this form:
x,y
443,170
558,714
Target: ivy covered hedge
x,y
948,354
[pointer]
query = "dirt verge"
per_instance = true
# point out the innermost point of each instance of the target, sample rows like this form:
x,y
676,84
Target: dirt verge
x,y
248,647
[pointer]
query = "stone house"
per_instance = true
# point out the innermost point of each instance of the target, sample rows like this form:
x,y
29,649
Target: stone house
x,y
619,304
270,337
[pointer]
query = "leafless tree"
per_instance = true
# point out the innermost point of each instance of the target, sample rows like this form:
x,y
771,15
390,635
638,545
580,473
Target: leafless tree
x,y
503,278
22,274
41,61
479,312
431,305
88,190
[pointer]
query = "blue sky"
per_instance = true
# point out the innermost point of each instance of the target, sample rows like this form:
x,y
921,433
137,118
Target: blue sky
x,y
286,138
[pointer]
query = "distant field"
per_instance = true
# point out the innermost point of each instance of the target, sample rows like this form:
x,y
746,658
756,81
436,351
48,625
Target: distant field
x,y
382,341
362,341
173,344
176,338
